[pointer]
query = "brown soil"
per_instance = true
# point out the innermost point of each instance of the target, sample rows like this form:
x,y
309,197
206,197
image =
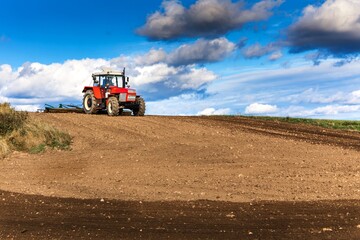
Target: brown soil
x,y
157,159
37,217
188,158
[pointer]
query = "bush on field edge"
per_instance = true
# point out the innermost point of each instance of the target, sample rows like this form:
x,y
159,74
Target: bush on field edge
x,y
20,132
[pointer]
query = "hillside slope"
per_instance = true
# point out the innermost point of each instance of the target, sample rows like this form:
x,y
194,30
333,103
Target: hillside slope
x,y
188,158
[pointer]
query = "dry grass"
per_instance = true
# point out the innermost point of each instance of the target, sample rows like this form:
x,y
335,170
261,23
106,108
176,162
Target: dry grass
x,y
20,132
10,119
4,148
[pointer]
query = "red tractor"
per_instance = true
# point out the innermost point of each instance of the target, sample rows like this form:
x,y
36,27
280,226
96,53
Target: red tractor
x,y
110,92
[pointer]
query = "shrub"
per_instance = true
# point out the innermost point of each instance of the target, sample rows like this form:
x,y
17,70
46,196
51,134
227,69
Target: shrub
x,y
10,119
21,132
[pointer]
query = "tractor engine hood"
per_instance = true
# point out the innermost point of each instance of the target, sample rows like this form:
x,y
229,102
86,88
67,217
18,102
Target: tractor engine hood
x,y
125,94
117,90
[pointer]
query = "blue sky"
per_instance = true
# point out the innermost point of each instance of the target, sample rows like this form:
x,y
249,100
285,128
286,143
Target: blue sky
x,y
190,57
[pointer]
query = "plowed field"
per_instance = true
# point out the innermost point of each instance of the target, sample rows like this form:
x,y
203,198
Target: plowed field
x,y
202,173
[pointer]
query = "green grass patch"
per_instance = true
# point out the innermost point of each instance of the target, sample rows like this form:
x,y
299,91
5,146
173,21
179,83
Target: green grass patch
x,y
37,149
20,132
334,124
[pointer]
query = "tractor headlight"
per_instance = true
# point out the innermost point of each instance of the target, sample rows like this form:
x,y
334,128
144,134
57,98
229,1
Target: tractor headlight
x,y
122,97
131,97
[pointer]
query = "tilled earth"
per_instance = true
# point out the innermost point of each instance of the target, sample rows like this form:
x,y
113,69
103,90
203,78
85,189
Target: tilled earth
x,y
184,177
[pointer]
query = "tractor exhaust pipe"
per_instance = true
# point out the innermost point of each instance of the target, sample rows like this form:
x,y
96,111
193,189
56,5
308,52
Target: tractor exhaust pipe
x,y
123,78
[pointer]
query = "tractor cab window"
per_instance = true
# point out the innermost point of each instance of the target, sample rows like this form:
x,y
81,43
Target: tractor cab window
x,y
108,81
96,80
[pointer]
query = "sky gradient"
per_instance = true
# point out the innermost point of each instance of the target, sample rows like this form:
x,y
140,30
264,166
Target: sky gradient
x,y
190,57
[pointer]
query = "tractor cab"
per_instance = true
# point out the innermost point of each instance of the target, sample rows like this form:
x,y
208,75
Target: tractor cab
x,y
110,91
107,80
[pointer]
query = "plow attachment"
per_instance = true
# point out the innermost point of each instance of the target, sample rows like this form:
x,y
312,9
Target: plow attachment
x,y
63,108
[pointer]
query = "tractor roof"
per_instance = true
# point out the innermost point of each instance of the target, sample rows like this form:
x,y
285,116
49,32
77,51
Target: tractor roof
x,y
108,72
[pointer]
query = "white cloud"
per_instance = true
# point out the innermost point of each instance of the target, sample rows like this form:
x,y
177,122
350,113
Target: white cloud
x,y
314,96
330,111
287,89
201,51
152,57
184,104
354,97
335,109
189,90
35,80
157,74
195,78
275,56
258,108
29,108
262,81
6,75
333,26
204,18
333,15
36,83
153,73
187,104
213,111
181,78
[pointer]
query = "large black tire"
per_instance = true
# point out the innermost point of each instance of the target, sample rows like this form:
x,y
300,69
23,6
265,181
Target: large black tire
x,y
140,111
113,107
89,102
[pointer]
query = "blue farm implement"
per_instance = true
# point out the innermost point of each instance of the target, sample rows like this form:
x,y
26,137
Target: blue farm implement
x,y
63,108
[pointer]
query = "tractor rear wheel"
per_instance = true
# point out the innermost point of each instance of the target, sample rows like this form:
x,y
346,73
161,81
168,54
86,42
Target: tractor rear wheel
x,y
140,111
89,102
113,107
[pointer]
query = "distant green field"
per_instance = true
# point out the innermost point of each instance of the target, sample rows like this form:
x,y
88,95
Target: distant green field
x,y
335,124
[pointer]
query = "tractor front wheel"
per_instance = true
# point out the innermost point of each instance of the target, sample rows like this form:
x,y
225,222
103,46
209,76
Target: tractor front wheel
x,y
140,110
113,107
89,102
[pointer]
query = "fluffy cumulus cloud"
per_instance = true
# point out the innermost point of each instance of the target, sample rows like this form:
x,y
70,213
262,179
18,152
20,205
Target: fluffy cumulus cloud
x,y
162,81
202,51
34,84
205,18
152,57
258,108
199,52
156,74
213,111
333,27
29,108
